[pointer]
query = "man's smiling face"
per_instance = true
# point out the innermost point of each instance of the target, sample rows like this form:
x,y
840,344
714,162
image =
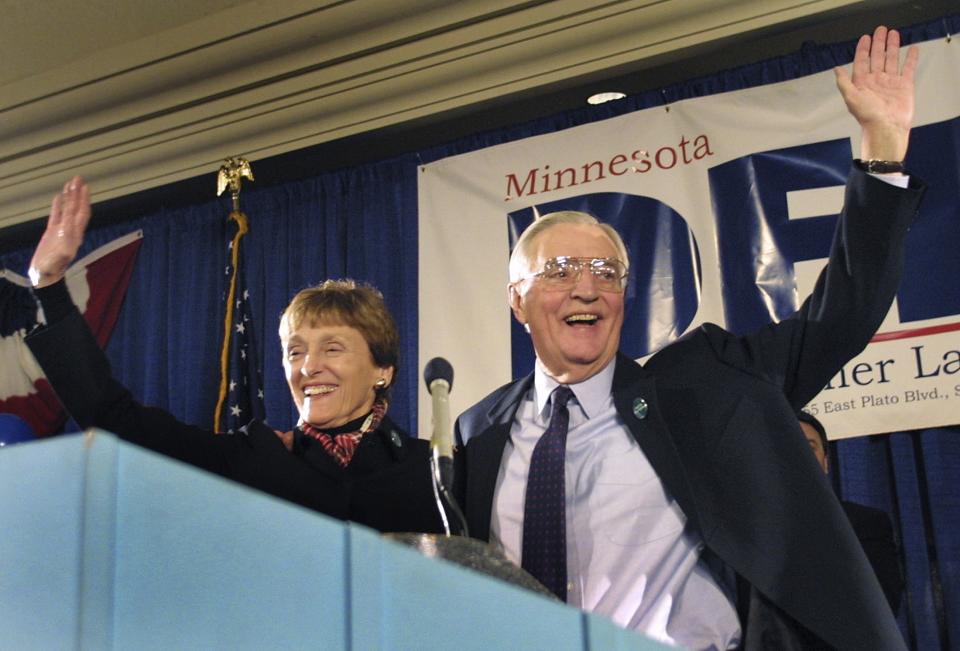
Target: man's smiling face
x,y
575,332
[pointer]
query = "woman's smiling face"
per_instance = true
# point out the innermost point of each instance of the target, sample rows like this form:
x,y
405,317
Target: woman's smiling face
x,y
331,373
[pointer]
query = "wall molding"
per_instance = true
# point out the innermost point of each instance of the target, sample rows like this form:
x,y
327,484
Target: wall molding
x,y
270,77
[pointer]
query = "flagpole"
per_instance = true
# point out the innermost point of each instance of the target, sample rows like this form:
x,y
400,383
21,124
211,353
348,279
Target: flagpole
x,y
229,176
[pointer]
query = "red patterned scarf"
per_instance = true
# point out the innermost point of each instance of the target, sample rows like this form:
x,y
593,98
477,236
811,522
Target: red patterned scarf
x,y
341,446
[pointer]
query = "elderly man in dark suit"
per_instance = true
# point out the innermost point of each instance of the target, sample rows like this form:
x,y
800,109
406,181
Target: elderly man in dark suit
x,y
677,497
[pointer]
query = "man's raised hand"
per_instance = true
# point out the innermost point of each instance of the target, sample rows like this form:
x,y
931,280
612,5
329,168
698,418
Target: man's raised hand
x,y
880,94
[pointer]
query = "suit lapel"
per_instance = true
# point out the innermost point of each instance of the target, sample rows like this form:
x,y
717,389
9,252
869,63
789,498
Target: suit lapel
x,y
486,454
637,401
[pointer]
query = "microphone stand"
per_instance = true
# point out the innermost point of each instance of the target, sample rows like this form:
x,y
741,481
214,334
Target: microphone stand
x,y
463,550
442,480
467,552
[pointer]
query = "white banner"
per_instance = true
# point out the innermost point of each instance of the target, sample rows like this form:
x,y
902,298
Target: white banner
x,y
771,159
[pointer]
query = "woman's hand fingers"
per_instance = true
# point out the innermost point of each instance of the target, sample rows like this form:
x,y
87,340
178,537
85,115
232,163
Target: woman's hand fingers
x,y
69,216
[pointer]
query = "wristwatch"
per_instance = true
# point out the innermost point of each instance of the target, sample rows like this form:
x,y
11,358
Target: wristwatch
x,y
34,275
879,166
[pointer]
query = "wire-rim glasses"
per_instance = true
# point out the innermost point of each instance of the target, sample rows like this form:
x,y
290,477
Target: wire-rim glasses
x,y
564,272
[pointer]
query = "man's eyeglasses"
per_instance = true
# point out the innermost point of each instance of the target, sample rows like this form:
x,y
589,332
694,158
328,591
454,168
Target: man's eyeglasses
x,y
563,273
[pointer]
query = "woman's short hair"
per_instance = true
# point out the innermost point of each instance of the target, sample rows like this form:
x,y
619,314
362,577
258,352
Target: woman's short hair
x,y
347,303
520,257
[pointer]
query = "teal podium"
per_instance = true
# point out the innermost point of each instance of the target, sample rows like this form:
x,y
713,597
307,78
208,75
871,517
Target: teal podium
x,y
105,545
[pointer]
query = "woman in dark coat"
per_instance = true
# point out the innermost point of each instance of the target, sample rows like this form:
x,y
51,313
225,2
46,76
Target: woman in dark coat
x,y
345,458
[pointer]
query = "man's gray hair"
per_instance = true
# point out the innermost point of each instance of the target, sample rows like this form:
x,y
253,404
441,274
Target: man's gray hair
x,y
520,257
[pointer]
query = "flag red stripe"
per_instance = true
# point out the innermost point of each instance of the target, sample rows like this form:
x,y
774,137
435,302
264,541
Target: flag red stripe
x,y
108,278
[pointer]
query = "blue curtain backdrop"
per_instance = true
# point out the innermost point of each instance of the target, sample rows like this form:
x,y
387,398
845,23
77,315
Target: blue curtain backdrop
x,y
362,223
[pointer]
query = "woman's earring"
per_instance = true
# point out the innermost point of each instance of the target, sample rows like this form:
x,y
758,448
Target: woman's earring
x,y
380,384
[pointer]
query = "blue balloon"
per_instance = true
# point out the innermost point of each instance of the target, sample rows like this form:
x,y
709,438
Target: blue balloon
x,y
13,429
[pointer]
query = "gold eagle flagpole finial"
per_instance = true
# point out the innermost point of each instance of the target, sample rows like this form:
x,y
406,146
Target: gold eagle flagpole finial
x,y
232,170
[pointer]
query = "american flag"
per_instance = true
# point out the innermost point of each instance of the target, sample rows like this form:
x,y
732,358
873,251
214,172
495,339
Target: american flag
x,y
241,389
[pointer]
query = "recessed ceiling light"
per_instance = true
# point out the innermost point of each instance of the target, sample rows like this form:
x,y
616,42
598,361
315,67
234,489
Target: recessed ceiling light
x,y
600,98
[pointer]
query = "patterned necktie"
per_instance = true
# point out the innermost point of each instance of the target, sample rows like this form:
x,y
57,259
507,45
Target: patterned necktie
x,y
544,510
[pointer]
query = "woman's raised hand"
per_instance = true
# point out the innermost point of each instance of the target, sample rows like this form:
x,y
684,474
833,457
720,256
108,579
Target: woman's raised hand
x,y
69,215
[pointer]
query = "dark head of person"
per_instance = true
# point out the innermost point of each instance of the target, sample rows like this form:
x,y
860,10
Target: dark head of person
x,y
816,436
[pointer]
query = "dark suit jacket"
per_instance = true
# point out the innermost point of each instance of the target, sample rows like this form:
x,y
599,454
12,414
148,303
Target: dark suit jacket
x,y
722,434
875,533
387,484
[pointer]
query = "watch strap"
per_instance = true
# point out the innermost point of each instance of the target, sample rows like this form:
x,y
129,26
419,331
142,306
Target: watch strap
x,y
873,166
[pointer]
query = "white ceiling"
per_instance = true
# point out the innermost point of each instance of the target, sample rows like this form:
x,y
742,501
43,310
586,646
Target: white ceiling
x,y
43,35
137,94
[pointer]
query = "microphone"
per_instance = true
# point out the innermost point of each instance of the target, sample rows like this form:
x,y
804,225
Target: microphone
x,y
438,374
